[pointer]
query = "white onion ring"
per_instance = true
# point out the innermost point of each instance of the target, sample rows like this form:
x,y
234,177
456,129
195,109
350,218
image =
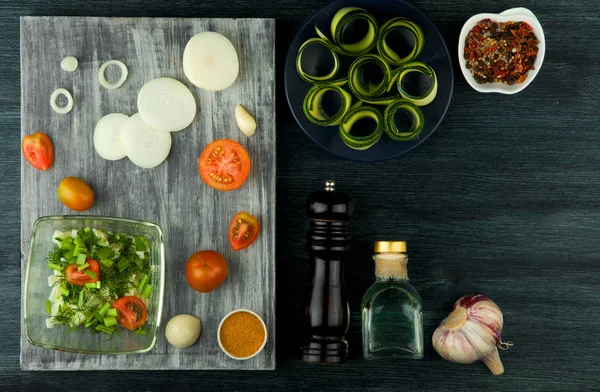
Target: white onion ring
x,y
55,107
111,86
144,145
167,104
69,64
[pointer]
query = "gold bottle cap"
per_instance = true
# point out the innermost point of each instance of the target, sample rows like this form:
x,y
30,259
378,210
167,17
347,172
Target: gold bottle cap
x,y
390,246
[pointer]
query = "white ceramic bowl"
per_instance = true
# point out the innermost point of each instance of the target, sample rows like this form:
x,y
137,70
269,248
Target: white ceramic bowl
x,y
219,334
513,14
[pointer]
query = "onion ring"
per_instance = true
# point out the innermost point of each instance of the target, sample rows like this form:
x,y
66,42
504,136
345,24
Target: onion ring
x,y
111,86
66,94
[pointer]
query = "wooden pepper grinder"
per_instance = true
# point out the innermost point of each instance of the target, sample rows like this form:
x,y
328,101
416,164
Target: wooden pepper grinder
x,y
327,313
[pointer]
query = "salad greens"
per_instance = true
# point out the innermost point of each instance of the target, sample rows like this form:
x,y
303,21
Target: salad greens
x,y
91,270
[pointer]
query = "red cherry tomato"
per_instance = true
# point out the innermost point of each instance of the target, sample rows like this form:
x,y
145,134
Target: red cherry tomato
x,y
243,230
80,278
38,150
132,312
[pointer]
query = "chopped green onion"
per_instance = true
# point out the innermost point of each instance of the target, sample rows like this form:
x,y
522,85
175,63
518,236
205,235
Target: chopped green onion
x,y
69,255
81,258
82,267
110,321
87,230
139,244
55,267
102,328
80,300
106,262
91,322
138,261
98,284
112,312
123,264
90,285
140,331
98,317
104,309
104,253
67,244
79,242
48,306
144,281
76,251
63,290
147,291
91,274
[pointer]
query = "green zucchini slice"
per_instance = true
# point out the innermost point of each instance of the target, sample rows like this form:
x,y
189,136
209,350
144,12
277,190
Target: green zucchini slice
x,y
340,25
417,66
363,89
315,79
400,24
366,141
390,124
313,105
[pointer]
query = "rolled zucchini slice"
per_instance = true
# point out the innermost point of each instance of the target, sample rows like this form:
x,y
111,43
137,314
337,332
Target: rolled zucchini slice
x,y
313,105
342,23
319,79
417,66
390,124
361,142
400,24
366,90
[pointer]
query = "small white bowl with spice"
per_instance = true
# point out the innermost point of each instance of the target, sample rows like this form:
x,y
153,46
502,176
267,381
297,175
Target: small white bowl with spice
x,y
506,48
242,334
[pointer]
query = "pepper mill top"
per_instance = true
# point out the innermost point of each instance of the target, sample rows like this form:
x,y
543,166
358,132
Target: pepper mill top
x,y
329,204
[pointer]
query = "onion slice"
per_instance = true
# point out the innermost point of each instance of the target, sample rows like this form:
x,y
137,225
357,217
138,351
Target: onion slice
x,y
66,109
167,104
107,136
146,146
111,86
69,64
210,61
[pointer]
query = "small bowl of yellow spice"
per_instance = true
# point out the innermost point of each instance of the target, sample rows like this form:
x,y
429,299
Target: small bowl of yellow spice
x,y
242,334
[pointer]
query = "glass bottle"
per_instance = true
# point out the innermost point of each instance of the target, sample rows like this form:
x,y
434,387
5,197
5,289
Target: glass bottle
x,y
392,316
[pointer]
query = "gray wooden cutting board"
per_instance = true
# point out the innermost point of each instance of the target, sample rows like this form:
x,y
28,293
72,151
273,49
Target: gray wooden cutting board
x,y
193,216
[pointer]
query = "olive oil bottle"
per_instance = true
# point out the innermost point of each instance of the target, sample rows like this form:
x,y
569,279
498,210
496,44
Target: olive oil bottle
x,y
392,318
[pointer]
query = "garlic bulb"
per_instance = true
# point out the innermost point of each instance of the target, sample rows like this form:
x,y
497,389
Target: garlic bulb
x,y
472,332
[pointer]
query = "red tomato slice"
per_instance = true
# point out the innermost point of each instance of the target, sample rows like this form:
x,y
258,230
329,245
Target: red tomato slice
x,y
80,278
243,230
38,150
224,165
132,312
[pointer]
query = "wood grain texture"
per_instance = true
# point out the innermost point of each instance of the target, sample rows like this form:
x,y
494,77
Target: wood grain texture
x,y
192,215
502,200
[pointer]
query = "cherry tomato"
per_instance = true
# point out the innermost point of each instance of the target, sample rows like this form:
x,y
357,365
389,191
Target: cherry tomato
x,y
243,230
38,150
80,278
75,194
132,312
224,165
205,270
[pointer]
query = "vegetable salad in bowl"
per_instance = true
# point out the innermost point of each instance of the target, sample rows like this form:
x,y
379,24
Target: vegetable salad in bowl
x,y
100,280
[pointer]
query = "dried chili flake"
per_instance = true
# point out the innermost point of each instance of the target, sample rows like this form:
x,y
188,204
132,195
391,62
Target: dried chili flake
x,y
500,52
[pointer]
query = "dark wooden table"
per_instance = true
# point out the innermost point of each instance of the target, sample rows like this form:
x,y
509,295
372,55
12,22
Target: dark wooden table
x,y
503,200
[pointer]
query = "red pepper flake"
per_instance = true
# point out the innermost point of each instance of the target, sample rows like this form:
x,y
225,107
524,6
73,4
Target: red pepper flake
x,y
500,52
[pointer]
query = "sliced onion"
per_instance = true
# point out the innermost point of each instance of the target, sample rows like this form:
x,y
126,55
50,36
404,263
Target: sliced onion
x,y
111,86
210,61
167,104
146,146
107,136
68,107
69,64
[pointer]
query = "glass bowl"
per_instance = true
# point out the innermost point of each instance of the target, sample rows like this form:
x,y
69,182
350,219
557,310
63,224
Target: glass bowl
x,y
37,291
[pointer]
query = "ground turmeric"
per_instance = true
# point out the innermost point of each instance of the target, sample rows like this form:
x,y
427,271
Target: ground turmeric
x,y
242,334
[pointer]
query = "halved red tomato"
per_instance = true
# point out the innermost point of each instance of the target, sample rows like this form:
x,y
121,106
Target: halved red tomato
x,y
132,312
243,230
38,150
224,165
80,278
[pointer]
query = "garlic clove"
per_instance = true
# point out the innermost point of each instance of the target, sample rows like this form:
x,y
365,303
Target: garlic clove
x,y
494,363
245,121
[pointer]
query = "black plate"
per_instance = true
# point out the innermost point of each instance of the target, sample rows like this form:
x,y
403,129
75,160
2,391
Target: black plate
x,y
435,53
